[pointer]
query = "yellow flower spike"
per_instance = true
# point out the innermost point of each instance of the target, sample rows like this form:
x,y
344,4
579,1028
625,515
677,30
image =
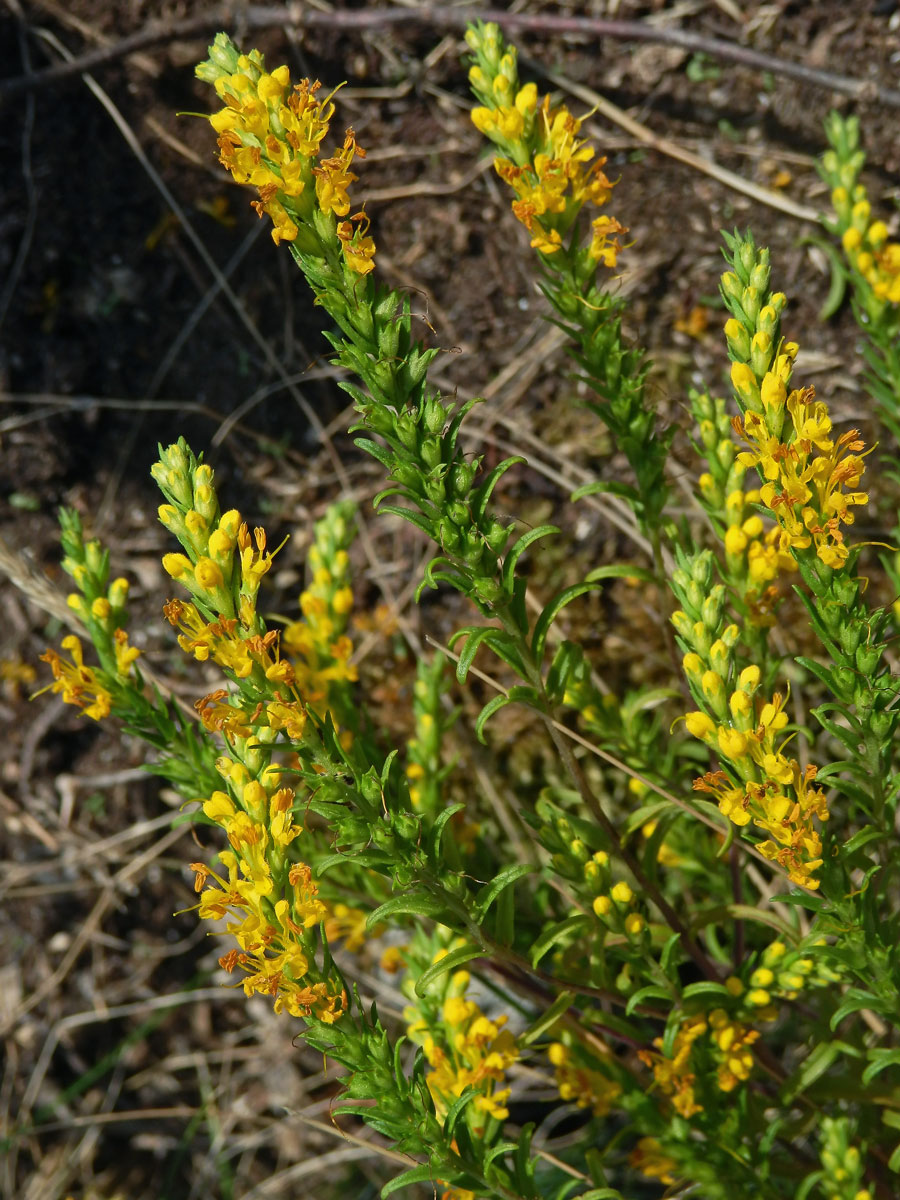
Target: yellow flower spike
x,y
851,239
526,99
774,952
230,523
100,608
700,726
602,906
177,565
735,541
125,655
777,767
718,657
773,392
744,382
738,338
195,524
877,234
254,798
732,743
78,604
483,120
221,545
622,893
77,684
208,575
741,707
762,977
219,808
169,516
713,687
760,350
693,666
759,998
634,924
273,87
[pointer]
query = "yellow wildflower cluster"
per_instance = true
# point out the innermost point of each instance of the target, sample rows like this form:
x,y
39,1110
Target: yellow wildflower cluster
x,y
675,1073
76,683
774,792
318,646
732,1041
91,688
466,1050
612,908
754,556
650,1159
586,1087
268,901
270,136
558,183
552,172
866,243
755,553
783,973
805,474
225,578
15,673
344,922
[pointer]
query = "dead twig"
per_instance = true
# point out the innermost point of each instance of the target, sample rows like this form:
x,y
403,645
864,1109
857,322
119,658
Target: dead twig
x,y
351,20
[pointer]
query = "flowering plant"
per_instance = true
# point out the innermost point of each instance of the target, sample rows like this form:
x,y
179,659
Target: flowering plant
x,y
694,945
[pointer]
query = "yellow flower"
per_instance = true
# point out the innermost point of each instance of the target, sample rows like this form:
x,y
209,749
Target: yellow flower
x,y
78,684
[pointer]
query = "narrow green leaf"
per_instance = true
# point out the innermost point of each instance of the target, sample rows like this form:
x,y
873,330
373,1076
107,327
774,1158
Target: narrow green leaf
x,y
647,812
666,959
414,904
601,486
500,1148
620,571
557,933
550,613
547,1019
436,832
705,987
474,635
423,1174
498,884
409,514
487,712
483,492
567,657
651,992
853,1002
881,1059
452,960
867,834
382,453
516,551
813,1067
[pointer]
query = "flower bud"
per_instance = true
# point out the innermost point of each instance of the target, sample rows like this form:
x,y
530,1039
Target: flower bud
x,y
699,725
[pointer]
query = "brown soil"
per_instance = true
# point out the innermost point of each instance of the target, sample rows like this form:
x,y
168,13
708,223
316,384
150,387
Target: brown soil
x,y
128,1070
